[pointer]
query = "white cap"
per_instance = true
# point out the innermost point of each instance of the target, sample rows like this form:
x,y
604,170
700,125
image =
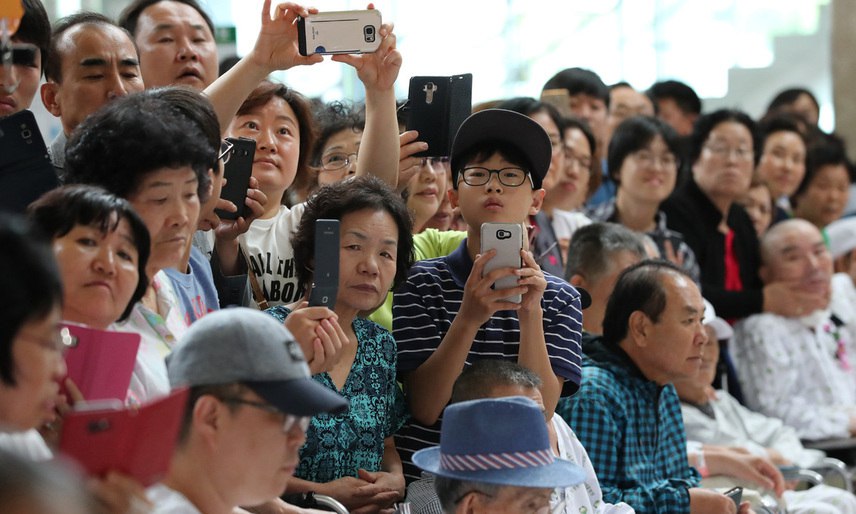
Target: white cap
x,y
720,327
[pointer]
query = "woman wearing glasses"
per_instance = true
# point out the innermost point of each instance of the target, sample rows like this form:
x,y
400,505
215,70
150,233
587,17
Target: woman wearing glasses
x,y
704,210
642,161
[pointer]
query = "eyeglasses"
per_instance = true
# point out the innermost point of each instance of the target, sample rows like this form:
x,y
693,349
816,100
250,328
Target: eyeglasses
x,y
225,151
582,162
509,177
741,154
59,341
437,164
338,160
290,419
647,159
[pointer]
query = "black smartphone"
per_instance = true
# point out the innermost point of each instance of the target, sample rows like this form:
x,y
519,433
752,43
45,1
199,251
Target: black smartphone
x,y
436,107
26,172
736,494
339,32
237,170
325,279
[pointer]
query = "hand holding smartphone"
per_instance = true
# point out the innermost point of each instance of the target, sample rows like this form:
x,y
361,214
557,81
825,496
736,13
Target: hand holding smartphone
x,y
325,279
736,494
237,170
507,240
339,32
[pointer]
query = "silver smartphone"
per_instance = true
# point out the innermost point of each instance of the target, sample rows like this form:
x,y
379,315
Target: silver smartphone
x,y
507,240
339,32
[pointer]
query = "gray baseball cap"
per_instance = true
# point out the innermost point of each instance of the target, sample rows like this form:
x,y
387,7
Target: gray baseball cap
x,y
247,346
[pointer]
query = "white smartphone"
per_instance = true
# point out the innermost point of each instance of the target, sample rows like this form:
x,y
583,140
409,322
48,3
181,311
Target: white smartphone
x,y
507,240
339,32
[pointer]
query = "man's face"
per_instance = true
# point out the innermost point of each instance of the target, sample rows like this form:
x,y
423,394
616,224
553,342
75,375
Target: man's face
x,y
593,110
796,253
682,122
508,500
494,201
625,102
27,77
599,288
99,63
176,46
675,342
256,454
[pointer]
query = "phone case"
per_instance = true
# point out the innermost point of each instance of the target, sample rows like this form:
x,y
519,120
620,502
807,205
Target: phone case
x,y
136,442
325,280
507,240
100,362
26,172
339,32
436,107
237,171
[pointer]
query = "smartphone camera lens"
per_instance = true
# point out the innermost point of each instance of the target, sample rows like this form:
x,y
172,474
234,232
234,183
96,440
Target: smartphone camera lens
x,y
369,34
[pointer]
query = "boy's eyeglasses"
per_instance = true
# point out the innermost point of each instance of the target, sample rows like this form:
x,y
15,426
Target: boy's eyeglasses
x,y
225,151
290,419
509,177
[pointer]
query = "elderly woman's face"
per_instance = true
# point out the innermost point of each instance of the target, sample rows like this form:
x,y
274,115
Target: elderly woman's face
x,y
368,255
100,273
37,368
724,166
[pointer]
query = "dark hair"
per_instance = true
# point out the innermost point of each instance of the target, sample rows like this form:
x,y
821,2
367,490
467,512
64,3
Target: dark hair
x,y
830,151
682,94
780,122
450,491
47,486
484,150
267,91
35,28
30,282
479,379
196,106
579,81
528,106
788,96
131,14
331,119
707,122
639,288
226,64
334,201
634,134
132,136
60,210
53,68
593,247
219,391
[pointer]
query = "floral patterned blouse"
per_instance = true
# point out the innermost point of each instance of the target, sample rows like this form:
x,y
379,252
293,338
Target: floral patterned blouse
x,y
337,445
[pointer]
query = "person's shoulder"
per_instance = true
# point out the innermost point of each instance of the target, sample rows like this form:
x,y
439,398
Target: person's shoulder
x,y
432,243
169,501
763,323
371,329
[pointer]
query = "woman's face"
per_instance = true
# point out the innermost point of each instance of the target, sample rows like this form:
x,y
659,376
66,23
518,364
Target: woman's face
x,y
427,188
38,367
825,198
340,152
648,175
367,258
782,165
557,162
570,188
99,273
759,207
276,130
724,167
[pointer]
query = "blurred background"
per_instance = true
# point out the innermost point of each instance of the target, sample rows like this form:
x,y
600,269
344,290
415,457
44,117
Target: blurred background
x,y
736,53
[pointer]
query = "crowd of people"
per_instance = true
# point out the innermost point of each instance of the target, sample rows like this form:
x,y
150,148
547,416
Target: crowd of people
x,y
682,320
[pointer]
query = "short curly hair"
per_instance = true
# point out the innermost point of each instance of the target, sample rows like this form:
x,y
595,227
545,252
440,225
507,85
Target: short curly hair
x,y
334,201
133,136
333,118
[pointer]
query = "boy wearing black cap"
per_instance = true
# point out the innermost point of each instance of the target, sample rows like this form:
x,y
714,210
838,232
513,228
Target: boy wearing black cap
x,y
447,315
251,399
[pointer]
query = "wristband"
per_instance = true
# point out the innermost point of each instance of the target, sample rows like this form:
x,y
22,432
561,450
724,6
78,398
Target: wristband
x,y
701,465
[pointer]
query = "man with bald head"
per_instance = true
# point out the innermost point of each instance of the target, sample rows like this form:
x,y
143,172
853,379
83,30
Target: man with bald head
x,y
92,61
800,369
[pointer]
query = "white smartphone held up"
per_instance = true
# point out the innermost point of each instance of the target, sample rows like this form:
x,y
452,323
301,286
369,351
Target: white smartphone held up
x,y
339,32
507,240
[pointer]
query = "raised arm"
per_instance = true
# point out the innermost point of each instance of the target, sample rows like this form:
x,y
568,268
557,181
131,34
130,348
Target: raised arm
x,y
275,49
379,148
